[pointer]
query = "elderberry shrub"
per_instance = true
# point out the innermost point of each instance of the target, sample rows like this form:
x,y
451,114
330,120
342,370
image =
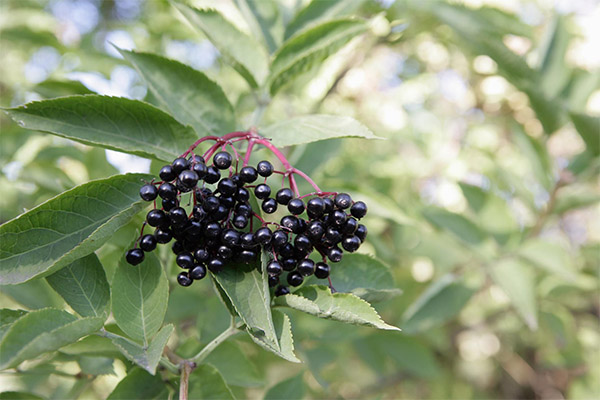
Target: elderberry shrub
x,y
221,228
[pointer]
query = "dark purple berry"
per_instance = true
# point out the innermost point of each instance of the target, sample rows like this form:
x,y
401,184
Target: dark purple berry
x,y
358,209
295,279
224,252
134,256
240,221
302,243
334,254
315,230
247,256
212,230
188,178
215,265
296,206
201,255
162,236
279,238
170,204
290,222
180,164
287,250
148,192
262,191
183,279
211,204
248,174
212,175
156,218
167,191
177,247
273,280
177,216
167,174
198,272
343,201
222,160
198,213
289,264
247,240
269,206
221,213
282,291
338,217
264,168
333,235
242,195
243,209
321,270
227,202
350,226
196,159
227,187
351,243
328,205
284,195
230,237
315,207
306,267
148,243
263,236
185,260
361,232
274,268
200,170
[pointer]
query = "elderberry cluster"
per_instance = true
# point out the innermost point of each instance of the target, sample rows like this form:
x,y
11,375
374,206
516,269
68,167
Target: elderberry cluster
x,y
219,231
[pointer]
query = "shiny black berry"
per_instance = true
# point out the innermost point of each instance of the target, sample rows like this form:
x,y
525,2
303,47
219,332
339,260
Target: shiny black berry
x,y
211,204
350,226
247,256
188,178
200,170
148,243
248,174
315,230
284,196
302,243
295,278
185,260
351,243
167,174
177,216
184,280
201,255
338,218
212,175
282,290
156,218
343,200
134,256
224,252
222,160
269,206
244,209
262,191
279,238
177,247
198,272
212,230
240,221
296,206
315,207
288,264
263,236
215,265
148,192
162,236
264,168
230,237
322,270
361,232
170,204
227,187
242,195
180,164
274,268
306,267
358,209
167,191
247,240
273,280
334,254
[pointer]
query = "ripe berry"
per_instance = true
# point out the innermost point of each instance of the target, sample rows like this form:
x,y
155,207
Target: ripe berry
x,y
227,201
296,206
328,205
211,204
358,209
284,196
286,251
177,216
334,254
274,268
156,218
167,191
247,256
224,252
180,164
263,236
269,206
227,187
198,213
215,265
262,191
322,270
264,168
177,247
212,175
306,267
201,255
338,217
188,178
239,221
220,214
167,174
162,236
200,170
273,280
183,279
315,207
134,256
212,230
185,260
315,230
148,192
248,174
350,226
290,222
343,200
351,243
242,195
333,235
281,291
148,243
222,160
198,272
197,160
288,264
279,238
237,180
230,237
247,240
244,209
295,278
168,205
361,232
302,243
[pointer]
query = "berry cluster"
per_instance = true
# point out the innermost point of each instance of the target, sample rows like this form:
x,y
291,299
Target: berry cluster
x,y
219,228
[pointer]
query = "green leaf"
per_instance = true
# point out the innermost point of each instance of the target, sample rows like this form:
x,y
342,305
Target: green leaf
x,y
7,318
312,128
140,385
573,197
244,54
285,339
33,294
96,365
67,227
146,357
207,383
188,95
309,48
290,389
248,291
317,11
554,71
440,302
589,130
19,396
456,224
552,257
93,345
83,285
139,297
517,281
264,20
41,331
114,123
376,282
343,307
57,88
536,154
233,364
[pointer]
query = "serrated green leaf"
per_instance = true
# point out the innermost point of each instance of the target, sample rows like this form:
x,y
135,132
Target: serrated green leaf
x,y
83,285
140,385
343,307
33,294
207,383
516,280
264,20
146,357
290,389
237,370
376,283
440,302
248,291
96,365
92,345
309,48
461,227
552,257
67,227
285,340
317,11
244,54
51,88
41,331
115,123
312,128
139,297
189,95
588,128
7,318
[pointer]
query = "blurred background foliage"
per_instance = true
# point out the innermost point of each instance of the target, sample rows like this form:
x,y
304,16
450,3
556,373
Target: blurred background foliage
x,y
484,195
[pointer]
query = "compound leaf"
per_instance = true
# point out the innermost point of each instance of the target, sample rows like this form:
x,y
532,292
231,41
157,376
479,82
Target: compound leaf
x,y
139,385
207,383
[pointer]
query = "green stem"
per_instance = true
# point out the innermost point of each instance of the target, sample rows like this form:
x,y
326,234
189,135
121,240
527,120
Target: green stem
x,y
232,330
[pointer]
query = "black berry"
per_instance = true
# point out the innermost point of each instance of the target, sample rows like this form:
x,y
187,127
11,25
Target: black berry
x,y
188,178
274,268
284,196
180,164
296,206
306,267
248,174
281,291
183,279
358,209
361,232
148,192
185,260
134,256
167,191
222,160
212,175
322,270
148,243
295,278
167,174
343,200
262,191
269,206
198,272
264,168
156,218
